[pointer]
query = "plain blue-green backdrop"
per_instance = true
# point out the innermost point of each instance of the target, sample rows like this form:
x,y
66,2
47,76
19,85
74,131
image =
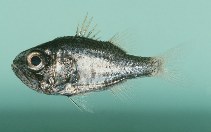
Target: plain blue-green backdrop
x,y
154,26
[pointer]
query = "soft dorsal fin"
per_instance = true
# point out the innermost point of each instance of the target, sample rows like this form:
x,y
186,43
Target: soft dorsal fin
x,y
115,39
87,30
118,39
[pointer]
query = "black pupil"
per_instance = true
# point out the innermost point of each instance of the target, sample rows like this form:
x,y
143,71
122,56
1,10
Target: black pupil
x,y
35,60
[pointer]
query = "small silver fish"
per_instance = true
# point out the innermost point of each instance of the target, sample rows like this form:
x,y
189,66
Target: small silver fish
x,y
74,65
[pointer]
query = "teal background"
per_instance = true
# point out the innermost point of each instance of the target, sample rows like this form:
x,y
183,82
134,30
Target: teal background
x,y
154,26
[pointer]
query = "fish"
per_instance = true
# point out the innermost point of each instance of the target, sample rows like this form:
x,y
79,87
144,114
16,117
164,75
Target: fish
x,y
75,65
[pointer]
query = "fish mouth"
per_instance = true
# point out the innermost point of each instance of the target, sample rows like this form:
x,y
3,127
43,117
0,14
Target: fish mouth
x,y
21,75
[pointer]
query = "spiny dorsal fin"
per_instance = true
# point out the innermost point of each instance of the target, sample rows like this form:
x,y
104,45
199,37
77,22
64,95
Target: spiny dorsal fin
x,y
86,29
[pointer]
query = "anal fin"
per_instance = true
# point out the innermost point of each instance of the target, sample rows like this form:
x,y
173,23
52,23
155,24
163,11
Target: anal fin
x,y
122,92
80,103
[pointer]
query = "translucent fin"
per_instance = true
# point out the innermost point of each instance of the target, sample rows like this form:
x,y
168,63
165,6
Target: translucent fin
x,y
121,39
86,29
115,39
170,65
122,92
80,102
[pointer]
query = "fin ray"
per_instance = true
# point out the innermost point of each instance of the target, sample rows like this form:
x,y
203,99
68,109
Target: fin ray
x,y
122,92
120,39
170,68
80,103
85,31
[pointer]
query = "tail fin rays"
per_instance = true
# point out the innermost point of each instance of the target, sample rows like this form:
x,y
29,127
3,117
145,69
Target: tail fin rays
x,y
170,65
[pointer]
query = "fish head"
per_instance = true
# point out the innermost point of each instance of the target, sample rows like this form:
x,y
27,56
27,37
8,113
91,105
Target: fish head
x,y
28,65
46,70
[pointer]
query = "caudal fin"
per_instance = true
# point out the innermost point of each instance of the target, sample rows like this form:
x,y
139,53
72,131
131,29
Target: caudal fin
x,y
170,65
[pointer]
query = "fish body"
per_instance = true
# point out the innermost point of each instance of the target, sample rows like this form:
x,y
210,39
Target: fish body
x,y
75,65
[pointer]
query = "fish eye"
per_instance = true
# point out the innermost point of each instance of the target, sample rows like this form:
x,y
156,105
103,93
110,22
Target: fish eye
x,y
35,61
